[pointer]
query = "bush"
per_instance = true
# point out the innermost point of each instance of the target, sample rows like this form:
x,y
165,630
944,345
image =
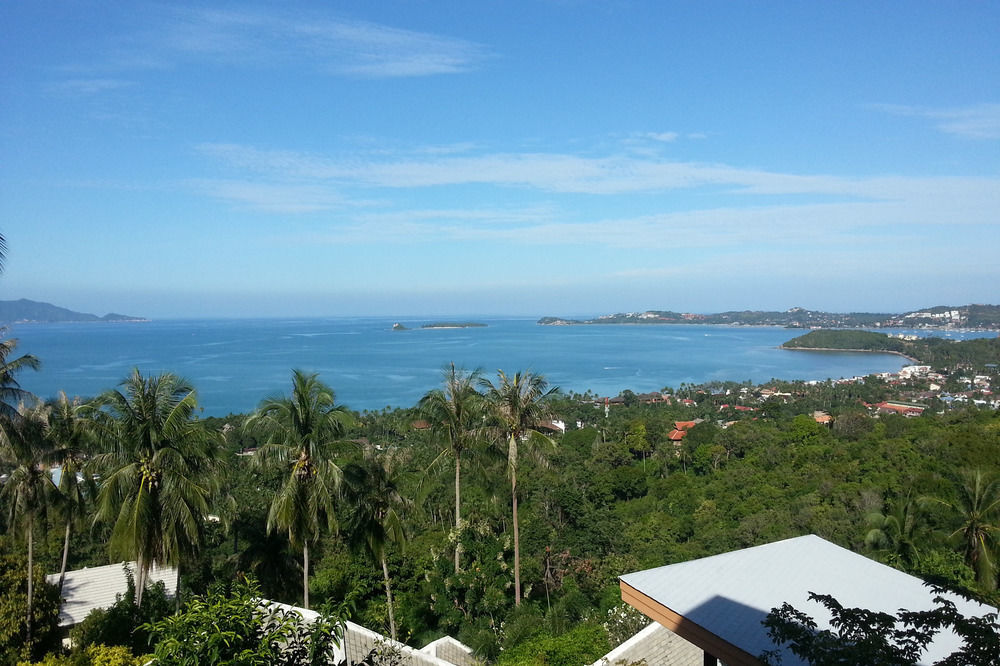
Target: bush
x,y
123,624
233,628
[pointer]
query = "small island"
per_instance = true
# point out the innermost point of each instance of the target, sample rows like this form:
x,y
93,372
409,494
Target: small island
x,y
399,327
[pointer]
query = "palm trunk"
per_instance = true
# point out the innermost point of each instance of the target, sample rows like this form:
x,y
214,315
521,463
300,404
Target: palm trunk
x,y
177,590
517,545
62,569
388,598
305,574
31,579
458,509
140,580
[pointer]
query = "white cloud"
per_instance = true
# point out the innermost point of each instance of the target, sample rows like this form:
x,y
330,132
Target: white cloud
x,y
980,121
665,137
339,46
87,86
272,197
602,175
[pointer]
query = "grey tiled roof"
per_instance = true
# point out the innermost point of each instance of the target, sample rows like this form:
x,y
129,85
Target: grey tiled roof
x,y
99,587
729,594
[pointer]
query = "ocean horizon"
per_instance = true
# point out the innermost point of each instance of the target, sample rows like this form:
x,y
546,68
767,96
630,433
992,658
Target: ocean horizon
x,y
236,363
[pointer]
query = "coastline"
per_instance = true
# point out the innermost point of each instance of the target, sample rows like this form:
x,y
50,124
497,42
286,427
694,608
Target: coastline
x,y
864,351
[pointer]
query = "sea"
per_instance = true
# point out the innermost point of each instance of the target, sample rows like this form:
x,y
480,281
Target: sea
x,y
236,363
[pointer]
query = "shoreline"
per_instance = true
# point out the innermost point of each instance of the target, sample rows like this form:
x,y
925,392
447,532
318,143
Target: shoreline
x,y
863,351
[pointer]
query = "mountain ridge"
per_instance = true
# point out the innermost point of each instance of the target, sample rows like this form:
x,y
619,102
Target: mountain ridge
x,y
26,311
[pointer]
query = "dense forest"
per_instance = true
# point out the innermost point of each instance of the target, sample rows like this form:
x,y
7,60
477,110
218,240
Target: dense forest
x,y
473,514
938,352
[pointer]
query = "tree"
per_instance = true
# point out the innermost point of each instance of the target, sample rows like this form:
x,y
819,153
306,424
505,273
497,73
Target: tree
x,y
11,393
159,471
29,490
517,405
374,504
455,412
863,636
13,600
300,433
896,530
977,508
70,439
233,628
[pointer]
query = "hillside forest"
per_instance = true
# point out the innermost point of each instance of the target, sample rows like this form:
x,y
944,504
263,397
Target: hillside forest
x,y
498,510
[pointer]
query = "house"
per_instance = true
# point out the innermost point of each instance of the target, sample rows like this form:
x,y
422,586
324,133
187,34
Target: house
x,y
681,428
358,642
904,408
822,418
717,603
99,587
88,589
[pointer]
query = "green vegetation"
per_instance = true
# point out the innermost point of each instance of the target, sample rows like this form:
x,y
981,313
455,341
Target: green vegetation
x,y
865,637
937,352
469,514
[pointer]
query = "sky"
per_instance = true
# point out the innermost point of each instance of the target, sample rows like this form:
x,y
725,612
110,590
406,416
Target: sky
x,y
551,157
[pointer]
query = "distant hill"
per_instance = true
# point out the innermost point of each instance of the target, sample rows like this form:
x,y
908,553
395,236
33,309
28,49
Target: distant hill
x,y
940,316
24,311
938,352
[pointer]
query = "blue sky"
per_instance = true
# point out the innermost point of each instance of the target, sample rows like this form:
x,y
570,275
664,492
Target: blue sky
x,y
525,158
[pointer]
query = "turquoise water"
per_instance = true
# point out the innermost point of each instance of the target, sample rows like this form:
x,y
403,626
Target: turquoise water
x,y
234,364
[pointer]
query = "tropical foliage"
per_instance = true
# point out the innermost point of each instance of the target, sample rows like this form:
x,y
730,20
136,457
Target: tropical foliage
x,y
543,522
159,469
300,434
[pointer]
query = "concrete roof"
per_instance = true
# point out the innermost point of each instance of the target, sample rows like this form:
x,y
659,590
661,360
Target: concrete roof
x,y
728,595
99,587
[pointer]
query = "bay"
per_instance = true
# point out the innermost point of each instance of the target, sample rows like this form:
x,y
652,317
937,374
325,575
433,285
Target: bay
x,y
236,363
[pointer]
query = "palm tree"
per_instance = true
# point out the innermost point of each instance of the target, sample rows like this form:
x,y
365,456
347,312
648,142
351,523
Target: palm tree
x,y
517,405
300,433
896,530
977,507
11,393
71,442
159,471
29,490
373,504
455,412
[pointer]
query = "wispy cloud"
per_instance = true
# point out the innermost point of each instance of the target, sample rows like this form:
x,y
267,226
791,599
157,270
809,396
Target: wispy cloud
x,y
338,46
575,174
980,121
272,197
86,86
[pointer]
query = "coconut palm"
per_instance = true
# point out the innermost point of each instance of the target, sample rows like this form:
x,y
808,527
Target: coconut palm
x,y
373,505
71,441
455,413
977,508
29,490
300,433
896,530
517,405
11,393
159,471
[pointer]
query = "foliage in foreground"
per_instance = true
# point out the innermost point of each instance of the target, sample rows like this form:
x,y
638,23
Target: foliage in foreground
x,y
868,637
95,655
234,628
